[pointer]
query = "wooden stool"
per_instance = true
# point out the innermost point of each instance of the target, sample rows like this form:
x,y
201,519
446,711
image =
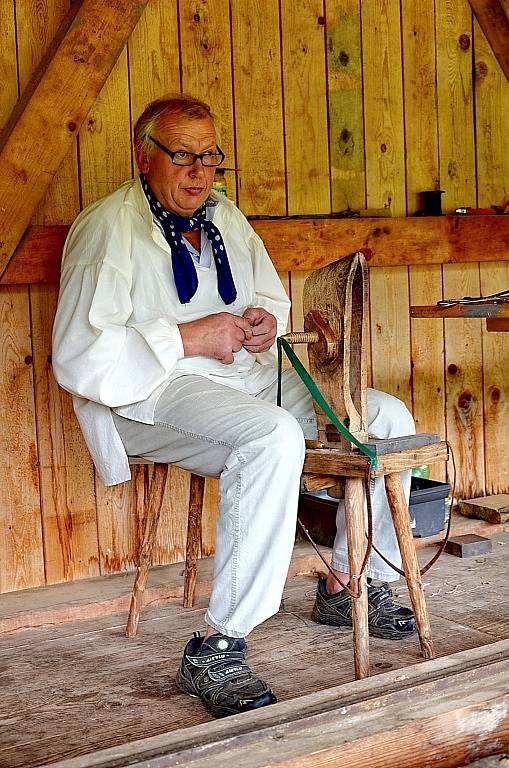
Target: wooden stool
x,y
335,307
153,495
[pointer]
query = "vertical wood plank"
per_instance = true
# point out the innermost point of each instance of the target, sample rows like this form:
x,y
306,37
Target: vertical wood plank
x,y
207,67
422,173
463,362
491,105
154,59
390,331
455,103
385,184
105,146
305,106
421,117
120,510
21,549
66,472
428,386
105,162
170,546
464,384
258,107
37,24
492,102
494,276
8,68
383,106
210,515
346,129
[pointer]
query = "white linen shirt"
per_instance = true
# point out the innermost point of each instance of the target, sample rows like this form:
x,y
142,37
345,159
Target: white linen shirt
x,y
116,341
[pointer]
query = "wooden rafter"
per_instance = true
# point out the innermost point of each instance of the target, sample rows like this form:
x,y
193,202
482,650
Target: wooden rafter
x,y
307,243
494,23
47,119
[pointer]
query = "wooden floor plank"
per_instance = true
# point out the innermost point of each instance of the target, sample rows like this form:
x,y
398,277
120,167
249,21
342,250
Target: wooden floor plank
x,y
82,687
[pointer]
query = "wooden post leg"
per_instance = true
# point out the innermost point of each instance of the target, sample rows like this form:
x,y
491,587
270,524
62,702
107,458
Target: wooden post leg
x,y
152,514
354,514
401,518
193,544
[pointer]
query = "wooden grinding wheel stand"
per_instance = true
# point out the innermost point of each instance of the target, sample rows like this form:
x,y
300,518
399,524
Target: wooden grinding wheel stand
x,y
335,310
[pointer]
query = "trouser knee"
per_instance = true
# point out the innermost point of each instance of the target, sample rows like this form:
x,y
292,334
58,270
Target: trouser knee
x,y
388,416
288,445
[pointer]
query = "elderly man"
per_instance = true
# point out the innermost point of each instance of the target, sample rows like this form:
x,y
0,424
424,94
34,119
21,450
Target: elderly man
x,y
168,312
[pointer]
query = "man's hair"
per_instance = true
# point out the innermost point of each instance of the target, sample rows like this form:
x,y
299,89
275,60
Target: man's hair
x,y
172,105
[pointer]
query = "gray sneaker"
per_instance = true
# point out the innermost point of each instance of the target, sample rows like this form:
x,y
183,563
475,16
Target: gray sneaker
x,y
386,619
215,670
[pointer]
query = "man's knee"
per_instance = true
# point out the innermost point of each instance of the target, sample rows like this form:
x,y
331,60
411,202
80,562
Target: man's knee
x,y
388,416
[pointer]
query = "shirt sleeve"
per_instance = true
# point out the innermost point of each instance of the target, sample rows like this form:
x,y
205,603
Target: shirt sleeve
x,y
270,293
98,353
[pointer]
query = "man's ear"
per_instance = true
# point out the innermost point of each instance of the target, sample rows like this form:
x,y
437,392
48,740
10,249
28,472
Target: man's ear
x,y
142,158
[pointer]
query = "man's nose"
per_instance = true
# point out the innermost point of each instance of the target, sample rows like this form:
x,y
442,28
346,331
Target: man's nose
x,y
197,167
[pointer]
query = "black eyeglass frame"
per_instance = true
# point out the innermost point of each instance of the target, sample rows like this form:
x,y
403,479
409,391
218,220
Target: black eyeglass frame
x,y
195,156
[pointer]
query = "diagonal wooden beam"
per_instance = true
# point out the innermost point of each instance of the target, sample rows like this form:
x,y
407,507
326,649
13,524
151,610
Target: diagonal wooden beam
x,y
47,119
494,23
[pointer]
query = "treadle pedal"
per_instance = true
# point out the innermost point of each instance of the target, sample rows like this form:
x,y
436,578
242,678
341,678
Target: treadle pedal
x,y
397,444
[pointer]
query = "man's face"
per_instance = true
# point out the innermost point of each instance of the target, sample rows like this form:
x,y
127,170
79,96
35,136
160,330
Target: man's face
x,y
181,189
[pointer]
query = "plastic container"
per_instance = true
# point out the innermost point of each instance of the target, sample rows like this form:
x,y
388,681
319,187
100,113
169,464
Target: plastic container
x,y
427,506
427,511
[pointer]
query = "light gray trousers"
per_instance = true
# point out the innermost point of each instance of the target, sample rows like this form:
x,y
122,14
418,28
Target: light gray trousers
x,y
257,451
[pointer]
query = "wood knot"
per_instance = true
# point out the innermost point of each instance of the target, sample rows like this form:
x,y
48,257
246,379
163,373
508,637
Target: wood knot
x,y
464,41
452,369
465,401
481,69
495,394
28,359
343,58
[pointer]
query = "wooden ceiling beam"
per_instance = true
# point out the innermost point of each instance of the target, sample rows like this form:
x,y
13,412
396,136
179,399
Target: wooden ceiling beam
x,y
310,243
494,23
48,117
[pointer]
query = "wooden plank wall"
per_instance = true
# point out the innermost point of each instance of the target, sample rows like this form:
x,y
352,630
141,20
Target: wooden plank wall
x,y
324,107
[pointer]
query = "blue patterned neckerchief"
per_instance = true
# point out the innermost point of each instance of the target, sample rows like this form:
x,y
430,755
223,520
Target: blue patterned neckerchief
x,y
184,269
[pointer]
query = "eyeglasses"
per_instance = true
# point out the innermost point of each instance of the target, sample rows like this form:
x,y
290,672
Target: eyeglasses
x,y
189,158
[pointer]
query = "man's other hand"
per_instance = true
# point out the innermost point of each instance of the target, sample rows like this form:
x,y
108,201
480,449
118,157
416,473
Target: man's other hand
x,y
264,329
217,336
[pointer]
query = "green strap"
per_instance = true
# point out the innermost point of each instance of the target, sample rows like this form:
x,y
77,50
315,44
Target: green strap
x,y
317,396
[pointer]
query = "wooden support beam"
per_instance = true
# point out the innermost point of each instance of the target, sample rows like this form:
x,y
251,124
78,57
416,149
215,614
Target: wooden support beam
x,y
494,23
308,243
47,119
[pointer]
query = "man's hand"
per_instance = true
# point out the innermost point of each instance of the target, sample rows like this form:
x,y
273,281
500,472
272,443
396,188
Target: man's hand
x,y
264,329
217,336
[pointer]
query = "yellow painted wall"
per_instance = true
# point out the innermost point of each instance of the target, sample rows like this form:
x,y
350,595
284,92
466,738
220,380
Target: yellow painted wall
x,y
324,107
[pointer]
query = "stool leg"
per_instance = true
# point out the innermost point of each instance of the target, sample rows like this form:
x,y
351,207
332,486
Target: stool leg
x,y
193,544
153,512
401,518
354,515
